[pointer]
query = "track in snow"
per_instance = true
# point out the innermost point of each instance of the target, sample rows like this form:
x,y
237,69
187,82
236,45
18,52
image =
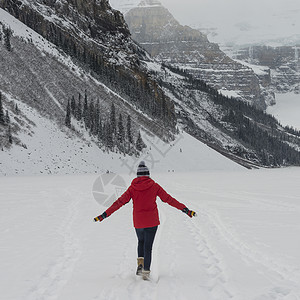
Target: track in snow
x,y
243,245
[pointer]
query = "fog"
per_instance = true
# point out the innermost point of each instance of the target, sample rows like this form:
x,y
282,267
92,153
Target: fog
x,y
237,19
229,11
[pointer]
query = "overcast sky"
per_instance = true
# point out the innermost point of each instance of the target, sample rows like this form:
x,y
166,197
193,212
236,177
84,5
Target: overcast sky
x,y
235,10
241,21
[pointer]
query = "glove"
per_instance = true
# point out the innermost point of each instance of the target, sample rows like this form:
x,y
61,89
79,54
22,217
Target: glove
x,y
101,217
190,213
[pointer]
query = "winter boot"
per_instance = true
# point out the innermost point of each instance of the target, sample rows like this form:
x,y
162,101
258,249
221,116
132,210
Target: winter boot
x,y
146,274
140,262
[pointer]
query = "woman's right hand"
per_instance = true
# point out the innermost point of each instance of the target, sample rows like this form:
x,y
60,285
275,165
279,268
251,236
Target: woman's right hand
x,y
190,213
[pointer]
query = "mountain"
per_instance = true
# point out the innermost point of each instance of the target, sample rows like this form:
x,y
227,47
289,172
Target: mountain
x,y
39,78
155,29
96,36
79,95
240,28
283,63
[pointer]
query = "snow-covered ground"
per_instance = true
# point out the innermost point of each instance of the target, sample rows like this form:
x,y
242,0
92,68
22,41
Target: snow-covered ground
x,y
243,245
287,109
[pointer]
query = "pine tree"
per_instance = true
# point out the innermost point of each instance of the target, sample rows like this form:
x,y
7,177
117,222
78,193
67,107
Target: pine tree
x,y
9,135
140,145
128,127
85,109
79,108
113,121
17,111
7,35
164,108
91,116
7,118
2,120
109,137
73,106
121,133
68,115
97,118
100,131
103,135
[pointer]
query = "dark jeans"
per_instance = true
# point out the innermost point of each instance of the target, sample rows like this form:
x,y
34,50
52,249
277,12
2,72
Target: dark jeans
x,y
146,238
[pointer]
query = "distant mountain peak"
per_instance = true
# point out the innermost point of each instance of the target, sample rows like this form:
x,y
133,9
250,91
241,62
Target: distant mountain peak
x,y
156,29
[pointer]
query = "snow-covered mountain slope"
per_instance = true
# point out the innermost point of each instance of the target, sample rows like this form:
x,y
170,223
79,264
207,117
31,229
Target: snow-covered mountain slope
x,y
47,149
40,79
244,244
107,65
45,146
40,74
97,38
41,89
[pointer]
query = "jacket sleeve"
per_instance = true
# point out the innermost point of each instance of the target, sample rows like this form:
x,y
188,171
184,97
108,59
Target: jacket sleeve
x,y
122,200
165,197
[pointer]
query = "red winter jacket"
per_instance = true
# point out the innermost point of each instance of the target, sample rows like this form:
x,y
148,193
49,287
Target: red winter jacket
x,y
143,191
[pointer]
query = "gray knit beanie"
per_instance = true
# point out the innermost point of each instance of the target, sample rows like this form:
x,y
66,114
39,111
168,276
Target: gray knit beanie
x,y
142,170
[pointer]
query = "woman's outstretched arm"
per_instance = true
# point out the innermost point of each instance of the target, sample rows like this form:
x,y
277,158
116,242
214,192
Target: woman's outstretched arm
x,y
122,200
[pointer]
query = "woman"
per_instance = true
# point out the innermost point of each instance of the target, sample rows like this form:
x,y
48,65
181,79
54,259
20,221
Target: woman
x,y
143,192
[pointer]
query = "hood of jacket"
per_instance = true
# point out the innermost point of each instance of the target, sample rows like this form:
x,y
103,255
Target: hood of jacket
x,y
142,183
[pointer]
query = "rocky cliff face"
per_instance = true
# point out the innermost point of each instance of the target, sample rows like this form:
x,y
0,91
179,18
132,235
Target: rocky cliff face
x,y
97,37
75,24
93,55
154,27
283,62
